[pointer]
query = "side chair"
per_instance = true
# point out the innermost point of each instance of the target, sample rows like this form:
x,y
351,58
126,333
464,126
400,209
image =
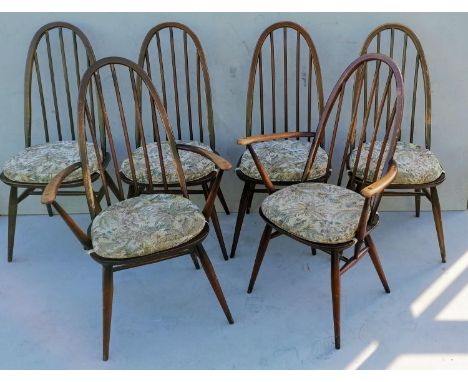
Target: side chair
x,y
58,55
419,170
329,217
153,225
284,95
172,55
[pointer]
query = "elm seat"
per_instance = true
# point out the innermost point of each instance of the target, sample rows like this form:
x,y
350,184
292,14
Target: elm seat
x,y
194,165
416,165
144,225
317,212
40,163
284,160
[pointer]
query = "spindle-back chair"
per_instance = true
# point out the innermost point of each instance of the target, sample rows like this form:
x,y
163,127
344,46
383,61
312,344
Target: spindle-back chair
x,y
172,55
331,217
284,95
58,55
153,225
419,171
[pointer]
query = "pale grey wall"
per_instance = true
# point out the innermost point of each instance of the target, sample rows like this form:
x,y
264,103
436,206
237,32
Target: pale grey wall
x,y
228,40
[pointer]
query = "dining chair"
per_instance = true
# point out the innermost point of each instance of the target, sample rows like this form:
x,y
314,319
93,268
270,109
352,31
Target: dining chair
x,y
57,57
419,170
173,57
333,217
153,225
285,83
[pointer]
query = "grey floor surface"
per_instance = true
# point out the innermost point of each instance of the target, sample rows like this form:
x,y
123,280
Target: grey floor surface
x,y
166,316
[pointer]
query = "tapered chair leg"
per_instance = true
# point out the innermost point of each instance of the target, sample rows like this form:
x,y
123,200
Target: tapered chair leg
x,y
12,211
438,222
210,273
417,202
376,261
195,261
107,295
335,289
216,225
262,247
249,204
243,204
49,210
223,202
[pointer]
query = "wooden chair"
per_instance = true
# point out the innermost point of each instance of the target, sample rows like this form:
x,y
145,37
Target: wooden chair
x,y
331,217
58,55
173,57
285,83
419,170
153,225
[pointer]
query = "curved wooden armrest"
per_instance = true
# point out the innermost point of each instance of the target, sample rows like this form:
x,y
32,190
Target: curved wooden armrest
x,y
380,185
50,192
270,137
220,162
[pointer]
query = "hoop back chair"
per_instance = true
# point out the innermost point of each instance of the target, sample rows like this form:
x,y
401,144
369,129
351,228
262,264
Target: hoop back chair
x,y
57,57
284,98
153,225
174,59
419,169
333,217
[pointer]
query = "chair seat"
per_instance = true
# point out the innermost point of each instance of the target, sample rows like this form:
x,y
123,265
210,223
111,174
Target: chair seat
x,y
317,212
284,160
416,165
144,225
194,165
40,163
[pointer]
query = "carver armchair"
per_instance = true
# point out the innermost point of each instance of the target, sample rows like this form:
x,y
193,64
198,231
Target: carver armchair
x,y
153,225
339,217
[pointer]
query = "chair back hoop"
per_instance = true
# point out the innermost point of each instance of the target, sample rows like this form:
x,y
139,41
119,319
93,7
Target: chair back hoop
x,y
269,91
58,81
388,128
188,66
401,48
116,83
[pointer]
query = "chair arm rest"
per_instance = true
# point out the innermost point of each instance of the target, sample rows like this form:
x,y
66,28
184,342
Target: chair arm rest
x,y
219,161
270,137
380,185
50,192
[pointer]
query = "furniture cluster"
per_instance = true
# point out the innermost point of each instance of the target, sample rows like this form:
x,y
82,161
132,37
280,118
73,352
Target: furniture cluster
x,y
137,138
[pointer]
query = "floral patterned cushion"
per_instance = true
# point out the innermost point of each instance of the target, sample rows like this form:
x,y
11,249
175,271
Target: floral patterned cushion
x,y
317,212
284,160
40,163
144,225
416,165
194,165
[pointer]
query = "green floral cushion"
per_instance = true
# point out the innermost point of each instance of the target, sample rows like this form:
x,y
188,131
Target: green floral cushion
x,y
317,212
144,225
194,165
416,165
284,160
40,163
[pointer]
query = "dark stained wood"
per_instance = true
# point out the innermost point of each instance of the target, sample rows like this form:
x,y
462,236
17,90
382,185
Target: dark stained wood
x,y
47,46
193,65
278,34
111,68
411,43
370,190
262,247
